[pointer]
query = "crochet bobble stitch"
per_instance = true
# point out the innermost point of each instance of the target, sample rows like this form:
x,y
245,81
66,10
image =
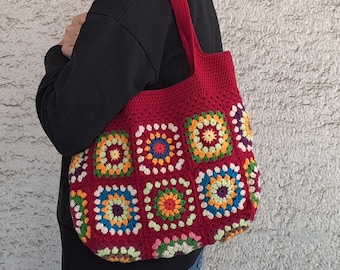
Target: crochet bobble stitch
x,y
120,254
242,127
208,136
173,198
78,205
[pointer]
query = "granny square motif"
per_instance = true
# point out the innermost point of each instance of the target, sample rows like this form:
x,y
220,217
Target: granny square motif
x,y
159,149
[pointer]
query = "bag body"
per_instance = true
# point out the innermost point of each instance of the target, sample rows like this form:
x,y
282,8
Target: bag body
x,y
174,169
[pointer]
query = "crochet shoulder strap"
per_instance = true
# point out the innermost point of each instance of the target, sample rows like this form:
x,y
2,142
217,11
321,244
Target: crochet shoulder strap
x,y
186,30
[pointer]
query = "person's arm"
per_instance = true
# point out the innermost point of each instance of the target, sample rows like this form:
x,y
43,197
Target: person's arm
x,y
59,55
78,97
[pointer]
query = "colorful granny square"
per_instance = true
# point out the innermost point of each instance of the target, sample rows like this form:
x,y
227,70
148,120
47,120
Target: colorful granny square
x,y
78,204
169,204
241,122
112,155
221,191
77,168
208,136
228,232
120,254
253,178
159,149
117,211
168,248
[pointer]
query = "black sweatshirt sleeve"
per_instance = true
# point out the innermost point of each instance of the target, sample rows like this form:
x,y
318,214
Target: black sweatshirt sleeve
x,y
54,58
78,97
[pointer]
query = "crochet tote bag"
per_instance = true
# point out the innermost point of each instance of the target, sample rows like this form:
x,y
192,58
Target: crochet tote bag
x,y
174,170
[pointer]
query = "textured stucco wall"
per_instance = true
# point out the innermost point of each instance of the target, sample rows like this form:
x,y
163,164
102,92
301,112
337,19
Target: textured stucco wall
x,y
287,58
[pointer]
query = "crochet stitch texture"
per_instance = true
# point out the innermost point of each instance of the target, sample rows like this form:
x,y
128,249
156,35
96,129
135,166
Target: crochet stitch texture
x,y
174,170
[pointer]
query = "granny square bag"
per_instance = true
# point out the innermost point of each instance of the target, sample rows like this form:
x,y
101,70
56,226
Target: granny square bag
x,y
174,169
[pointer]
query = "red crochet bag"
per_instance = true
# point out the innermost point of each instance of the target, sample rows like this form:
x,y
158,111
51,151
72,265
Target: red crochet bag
x,y
174,170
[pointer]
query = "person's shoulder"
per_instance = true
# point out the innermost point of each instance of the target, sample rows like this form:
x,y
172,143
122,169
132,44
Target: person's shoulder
x,y
112,8
120,8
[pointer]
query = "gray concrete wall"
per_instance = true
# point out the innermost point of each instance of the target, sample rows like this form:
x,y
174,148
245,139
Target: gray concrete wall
x,y
287,58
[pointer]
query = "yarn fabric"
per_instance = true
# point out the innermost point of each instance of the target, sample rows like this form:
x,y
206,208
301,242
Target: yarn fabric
x,y
174,170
